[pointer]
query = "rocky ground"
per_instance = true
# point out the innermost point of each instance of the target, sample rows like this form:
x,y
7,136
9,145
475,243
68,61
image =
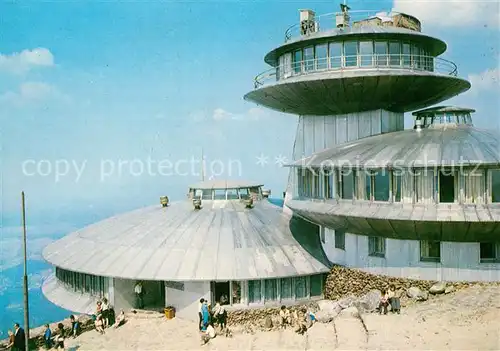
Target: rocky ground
x,y
463,320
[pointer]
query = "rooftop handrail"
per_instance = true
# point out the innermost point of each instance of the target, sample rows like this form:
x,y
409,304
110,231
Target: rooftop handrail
x,y
323,24
421,63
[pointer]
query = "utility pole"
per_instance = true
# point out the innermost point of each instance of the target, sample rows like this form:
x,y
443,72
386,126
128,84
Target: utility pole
x,y
25,278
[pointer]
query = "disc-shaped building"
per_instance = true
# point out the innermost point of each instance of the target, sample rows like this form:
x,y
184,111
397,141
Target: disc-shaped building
x,y
421,203
224,240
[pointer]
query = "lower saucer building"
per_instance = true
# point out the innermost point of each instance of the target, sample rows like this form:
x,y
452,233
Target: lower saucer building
x,y
245,249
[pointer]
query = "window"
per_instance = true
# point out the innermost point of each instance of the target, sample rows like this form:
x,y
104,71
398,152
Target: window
x,y
316,285
406,55
339,239
381,53
376,246
381,186
348,186
489,252
286,288
396,186
474,186
219,194
328,186
236,291
366,53
415,55
271,290
446,186
297,61
495,185
232,194
316,188
368,187
309,58
430,251
206,194
321,56
394,54
322,234
254,292
351,53
244,194
300,287
335,55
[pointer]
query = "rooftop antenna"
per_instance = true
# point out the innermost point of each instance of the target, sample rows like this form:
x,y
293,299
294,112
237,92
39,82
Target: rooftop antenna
x,y
25,278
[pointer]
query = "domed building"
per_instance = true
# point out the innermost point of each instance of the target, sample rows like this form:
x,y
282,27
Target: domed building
x,y
224,240
421,203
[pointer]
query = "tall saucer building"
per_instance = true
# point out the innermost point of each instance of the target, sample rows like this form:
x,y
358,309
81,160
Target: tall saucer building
x,y
422,203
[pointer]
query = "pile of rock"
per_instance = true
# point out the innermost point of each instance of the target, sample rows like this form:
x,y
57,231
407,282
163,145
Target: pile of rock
x,y
252,319
36,334
342,282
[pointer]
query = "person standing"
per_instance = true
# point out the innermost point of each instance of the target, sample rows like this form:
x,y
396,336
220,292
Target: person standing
x,y
139,303
47,337
200,315
19,338
10,346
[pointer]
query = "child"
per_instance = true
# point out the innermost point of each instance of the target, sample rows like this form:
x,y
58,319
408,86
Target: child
x,y
75,326
384,302
394,300
47,337
285,317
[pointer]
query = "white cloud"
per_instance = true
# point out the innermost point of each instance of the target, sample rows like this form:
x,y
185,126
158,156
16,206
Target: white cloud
x,y
22,62
220,114
32,92
485,81
452,13
254,113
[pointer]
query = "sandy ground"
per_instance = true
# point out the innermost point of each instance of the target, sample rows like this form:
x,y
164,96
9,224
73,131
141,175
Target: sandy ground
x,y
466,320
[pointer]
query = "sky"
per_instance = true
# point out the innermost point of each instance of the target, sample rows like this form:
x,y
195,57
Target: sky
x,y
104,104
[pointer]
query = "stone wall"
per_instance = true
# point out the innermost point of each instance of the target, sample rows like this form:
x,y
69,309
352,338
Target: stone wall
x,y
342,282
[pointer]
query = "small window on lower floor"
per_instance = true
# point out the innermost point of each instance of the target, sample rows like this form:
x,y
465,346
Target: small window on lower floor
x,y
254,292
236,287
430,251
316,285
376,246
489,252
339,239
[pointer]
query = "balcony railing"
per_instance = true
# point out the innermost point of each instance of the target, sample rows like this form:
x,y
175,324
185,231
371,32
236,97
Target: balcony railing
x,y
417,63
327,22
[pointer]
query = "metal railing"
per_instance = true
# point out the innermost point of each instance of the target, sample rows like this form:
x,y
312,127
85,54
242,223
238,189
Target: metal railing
x,y
327,21
421,63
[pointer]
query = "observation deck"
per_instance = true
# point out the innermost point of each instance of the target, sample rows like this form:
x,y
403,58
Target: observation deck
x,y
381,62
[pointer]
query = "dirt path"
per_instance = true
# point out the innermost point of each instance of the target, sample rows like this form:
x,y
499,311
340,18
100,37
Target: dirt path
x,y
466,320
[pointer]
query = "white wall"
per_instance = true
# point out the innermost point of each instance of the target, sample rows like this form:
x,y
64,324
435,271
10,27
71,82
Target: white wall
x,y
186,301
459,261
124,296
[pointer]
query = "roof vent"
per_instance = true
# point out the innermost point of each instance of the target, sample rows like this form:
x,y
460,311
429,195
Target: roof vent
x,y
308,24
164,201
248,202
197,204
418,124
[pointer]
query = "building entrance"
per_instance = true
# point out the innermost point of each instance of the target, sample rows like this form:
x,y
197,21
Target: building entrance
x,y
220,292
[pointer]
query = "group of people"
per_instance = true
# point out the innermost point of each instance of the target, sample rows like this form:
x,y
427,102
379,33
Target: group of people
x,y
388,298
302,319
210,317
105,317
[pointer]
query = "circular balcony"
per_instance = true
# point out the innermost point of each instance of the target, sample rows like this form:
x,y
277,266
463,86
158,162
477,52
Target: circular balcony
x,y
345,84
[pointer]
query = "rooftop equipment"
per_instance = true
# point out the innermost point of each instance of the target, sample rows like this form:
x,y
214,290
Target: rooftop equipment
x,y
342,18
308,23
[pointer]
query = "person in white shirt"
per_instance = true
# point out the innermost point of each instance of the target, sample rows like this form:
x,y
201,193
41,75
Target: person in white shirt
x,y
105,312
220,315
139,303
200,305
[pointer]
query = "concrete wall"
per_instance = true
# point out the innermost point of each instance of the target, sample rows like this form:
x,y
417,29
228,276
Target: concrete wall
x,y
124,296
186,301
459,261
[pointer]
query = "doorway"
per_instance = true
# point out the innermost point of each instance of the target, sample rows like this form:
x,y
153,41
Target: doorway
x,y
446,187
154,294
220,292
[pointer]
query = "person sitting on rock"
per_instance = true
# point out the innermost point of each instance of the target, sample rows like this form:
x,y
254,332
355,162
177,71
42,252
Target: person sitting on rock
x,y
285,318
120,319
75,326
99,325
384,302
301,322
394,300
